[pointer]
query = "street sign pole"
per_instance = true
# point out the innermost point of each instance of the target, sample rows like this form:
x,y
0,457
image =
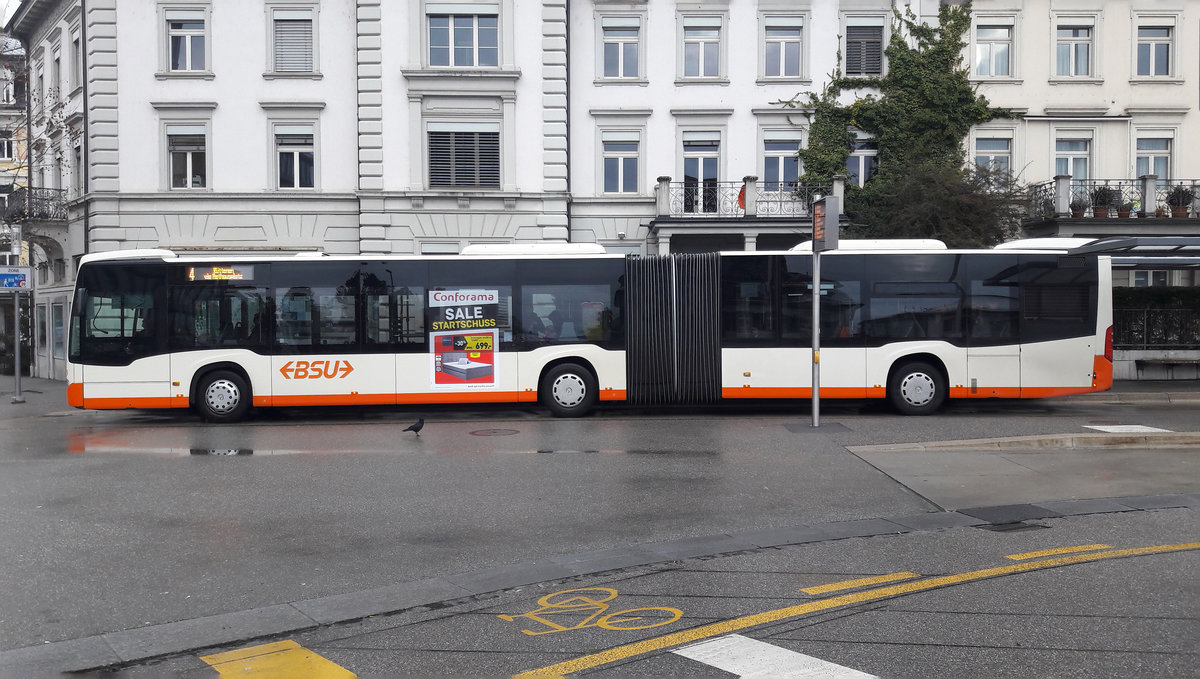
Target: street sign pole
x,y
17,396
826,212
18,278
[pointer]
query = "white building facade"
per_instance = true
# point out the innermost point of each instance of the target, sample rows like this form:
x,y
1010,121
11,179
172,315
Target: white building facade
x,y
421,126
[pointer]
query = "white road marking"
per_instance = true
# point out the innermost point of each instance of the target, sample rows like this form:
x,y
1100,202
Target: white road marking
x,y
1125,428
753,659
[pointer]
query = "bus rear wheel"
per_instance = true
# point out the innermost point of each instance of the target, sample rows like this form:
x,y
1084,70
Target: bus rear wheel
x,y
223,397
568,390
917,388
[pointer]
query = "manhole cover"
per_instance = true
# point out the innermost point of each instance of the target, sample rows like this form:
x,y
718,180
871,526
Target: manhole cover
x,y
494,432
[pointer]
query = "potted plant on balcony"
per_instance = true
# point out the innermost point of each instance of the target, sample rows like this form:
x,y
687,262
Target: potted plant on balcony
x,y
1124,209
1102,198
1078,207
1180,199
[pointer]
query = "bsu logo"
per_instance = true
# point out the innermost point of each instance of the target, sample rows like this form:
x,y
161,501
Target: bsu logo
x,y
315,370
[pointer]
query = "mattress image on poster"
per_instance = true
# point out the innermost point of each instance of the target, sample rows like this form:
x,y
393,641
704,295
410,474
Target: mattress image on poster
x,y
464,358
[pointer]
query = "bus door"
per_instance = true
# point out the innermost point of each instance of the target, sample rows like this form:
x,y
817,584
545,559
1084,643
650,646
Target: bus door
x,y
220,314
993,330
118,337
323,351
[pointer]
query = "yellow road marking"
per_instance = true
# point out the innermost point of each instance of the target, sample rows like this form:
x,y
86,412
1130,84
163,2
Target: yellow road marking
x,y
280,659
1054,552
861,582
727,626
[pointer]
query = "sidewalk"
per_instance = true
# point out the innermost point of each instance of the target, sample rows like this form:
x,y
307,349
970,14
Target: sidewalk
x,y
41,397
50,396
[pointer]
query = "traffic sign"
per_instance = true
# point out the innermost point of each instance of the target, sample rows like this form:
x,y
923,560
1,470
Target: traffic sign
x,y
16,277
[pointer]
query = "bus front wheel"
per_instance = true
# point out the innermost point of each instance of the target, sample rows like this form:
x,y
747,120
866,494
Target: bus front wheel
x,y
569,390
223,396
917,388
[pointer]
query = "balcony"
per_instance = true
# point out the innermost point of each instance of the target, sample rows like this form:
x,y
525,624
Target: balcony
x,y
713,200
36,205
1141,198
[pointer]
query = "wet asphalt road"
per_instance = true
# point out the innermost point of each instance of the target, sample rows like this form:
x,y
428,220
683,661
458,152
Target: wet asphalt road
x,y
115,521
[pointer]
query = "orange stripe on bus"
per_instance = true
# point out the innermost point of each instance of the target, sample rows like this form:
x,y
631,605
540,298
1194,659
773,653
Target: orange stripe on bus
x,y
147,402
612,394
1104,374
75,395
792,392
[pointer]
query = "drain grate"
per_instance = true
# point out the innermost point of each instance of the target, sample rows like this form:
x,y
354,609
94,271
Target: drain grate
x,y
1011,527
494,432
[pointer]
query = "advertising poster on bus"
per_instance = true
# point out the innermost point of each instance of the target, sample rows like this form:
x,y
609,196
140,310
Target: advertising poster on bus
x,y
462,337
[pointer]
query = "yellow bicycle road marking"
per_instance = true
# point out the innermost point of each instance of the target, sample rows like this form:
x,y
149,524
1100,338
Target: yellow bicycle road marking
x,y
861,582
280,659
735,624
1055,552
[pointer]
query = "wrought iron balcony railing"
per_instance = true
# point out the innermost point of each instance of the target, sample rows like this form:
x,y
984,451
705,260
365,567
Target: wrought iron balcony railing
x,y
723,200
36,205
1146,196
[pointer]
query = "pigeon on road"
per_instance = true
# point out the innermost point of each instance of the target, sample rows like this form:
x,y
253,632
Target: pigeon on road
x,y
416,428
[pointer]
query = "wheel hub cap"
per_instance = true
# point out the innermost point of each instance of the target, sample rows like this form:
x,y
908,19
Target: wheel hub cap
x,y
568,390
917,389
222,396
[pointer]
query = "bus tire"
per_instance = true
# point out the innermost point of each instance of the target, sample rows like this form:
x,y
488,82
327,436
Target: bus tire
x,y
917,388
569,390
223,397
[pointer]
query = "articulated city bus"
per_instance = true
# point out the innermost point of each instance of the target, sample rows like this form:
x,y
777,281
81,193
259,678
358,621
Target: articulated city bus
x,y
568,326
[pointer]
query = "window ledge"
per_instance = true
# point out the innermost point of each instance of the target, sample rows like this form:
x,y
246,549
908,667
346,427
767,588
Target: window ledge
x,y
765,80
443,72
292,75
684,81
1076,81
639,82
1156,80
184,75
997,80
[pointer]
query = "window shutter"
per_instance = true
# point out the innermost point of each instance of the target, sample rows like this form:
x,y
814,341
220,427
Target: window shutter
x,y
464,158
293,45
440,144
489,159
864,50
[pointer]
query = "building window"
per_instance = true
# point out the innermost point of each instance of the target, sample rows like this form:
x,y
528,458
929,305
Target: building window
x,y
1071,158
782,50
702,47
293,48
460,40
1154,50
464,157
863,161
1073,51
186,146
77,170
993,153
864,50
76,60
295,152
622,40
1153,157
56,76
1144,279
620,162
781,164
185,41
993,51
701,153
6,146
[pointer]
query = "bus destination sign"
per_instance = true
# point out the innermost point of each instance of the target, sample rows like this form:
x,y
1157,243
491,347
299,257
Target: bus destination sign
x,y
220,273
